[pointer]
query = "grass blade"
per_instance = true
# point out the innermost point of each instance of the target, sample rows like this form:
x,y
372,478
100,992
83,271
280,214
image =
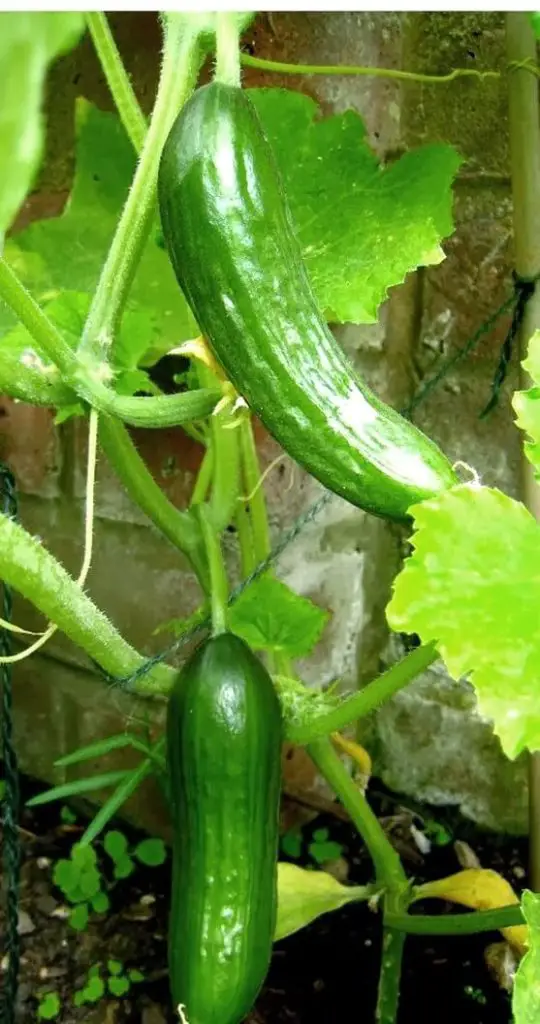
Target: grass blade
x,y
77,787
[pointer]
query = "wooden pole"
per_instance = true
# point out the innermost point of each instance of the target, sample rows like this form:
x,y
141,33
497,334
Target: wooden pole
x,y
524,115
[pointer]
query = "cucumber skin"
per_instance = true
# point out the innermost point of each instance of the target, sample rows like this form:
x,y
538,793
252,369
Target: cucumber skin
x,y
231,240
224,751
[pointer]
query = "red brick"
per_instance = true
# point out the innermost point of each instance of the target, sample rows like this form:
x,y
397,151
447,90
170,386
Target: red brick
x,y
30,444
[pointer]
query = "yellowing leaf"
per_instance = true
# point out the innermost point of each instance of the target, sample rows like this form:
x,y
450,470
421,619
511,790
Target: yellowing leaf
x,y
479,889
305,895
356,752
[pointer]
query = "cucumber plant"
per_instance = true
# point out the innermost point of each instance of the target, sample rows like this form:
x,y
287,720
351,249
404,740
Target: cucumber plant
x,y
263,301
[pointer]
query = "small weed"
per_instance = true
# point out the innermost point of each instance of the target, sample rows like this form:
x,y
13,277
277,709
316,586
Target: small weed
x,y
114,980
291,843
83,883
322,849
49,1006
67,816
438,833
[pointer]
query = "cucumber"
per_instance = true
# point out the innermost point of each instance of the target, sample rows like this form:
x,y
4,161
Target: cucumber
x,y
232,243
224,758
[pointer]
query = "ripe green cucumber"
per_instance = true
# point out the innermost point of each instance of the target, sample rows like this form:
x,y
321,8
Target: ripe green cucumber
x,y
224,758
231,240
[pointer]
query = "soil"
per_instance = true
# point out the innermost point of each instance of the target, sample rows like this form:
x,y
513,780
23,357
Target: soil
x,y
318,975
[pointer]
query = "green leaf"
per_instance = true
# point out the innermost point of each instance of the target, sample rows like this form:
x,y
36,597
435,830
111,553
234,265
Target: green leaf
x,y
135,975
66,876
305,895
526,994
93,990
269,616
472,585
122,793
118,986
362,226
49,1005
114,966
94,750
67,252
67,816
29,41
90,883
124,867
527,404
101,903
77,787
291,843
324,852
115,844
151,852
84,857
438,833
78,918
323,849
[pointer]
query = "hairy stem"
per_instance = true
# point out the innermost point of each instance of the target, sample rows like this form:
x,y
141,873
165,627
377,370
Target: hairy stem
x,y
179,527
179,70
28,567
37,323
117,77
321,723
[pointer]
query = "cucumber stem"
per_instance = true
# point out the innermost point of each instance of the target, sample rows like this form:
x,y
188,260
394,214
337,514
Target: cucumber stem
x,y
218,577
204,477
117,77
179,527
228,49
321,723
388,868
181,60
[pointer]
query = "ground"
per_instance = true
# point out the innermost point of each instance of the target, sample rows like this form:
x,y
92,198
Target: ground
x,y
316,976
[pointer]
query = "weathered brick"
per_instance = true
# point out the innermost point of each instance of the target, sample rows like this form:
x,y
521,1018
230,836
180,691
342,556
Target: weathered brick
x,y
172,458
465,290
30,444
469,113
358,38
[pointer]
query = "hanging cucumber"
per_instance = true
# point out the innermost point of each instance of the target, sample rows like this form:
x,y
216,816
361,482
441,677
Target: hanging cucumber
x,y
232,243
224,754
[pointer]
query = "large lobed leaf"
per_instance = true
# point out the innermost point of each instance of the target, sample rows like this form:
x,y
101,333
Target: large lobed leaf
x,y
362,226
472,585
67,252
29,41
